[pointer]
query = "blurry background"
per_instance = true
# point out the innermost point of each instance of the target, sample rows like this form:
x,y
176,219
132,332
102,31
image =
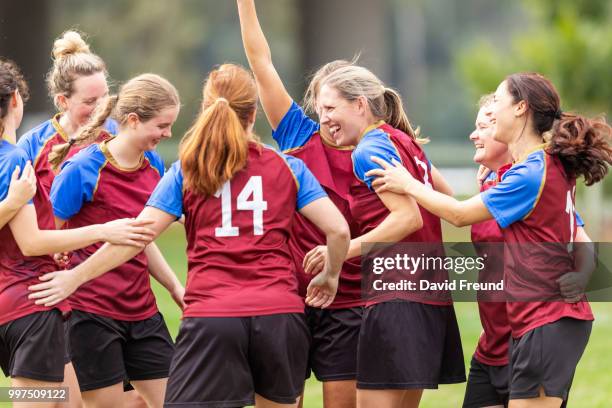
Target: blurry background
x,y
442,55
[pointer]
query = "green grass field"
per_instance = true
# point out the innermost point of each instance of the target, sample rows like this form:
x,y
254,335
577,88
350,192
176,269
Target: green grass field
x,y
592,386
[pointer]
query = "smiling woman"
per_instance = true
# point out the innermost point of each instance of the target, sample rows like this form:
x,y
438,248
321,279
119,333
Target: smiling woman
x,y
106,181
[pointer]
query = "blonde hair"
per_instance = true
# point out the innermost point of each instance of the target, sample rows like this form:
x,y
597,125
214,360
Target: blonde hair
x,y
216,146
145,95
312,92
72,59
385,103
485,100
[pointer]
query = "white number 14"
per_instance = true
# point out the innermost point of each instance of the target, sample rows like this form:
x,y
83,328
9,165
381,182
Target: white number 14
x,y
257,205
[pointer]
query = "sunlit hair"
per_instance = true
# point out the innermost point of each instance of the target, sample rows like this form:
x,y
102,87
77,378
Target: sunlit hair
x,y
145,95
485,100
72,59
312,92
385,103
216,146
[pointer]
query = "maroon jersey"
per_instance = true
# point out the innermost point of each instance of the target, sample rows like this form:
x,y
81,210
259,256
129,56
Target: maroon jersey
x,y
368,210
534,205
38,143
92,189
238,253
17,271
298,136
492,346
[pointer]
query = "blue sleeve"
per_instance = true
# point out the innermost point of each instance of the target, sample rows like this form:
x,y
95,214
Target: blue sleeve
x,y
376,143
168,195
295,129
29,146
309,188
513,198
75,184
111,126
156,161
579,221
17,157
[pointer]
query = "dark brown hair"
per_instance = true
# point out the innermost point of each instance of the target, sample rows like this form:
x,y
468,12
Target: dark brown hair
x,y
11,79
581,143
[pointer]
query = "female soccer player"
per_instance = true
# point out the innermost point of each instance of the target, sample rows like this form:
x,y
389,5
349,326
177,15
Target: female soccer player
x,y
533,203
104,181
334,330
77,82
243,338
359,110
31,335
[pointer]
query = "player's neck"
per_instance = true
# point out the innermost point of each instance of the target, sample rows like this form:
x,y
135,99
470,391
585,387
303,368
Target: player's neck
x,y
523,144
67,125
124,153
9,132
495,164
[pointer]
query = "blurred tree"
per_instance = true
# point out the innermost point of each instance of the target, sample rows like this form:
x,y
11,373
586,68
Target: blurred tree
x,y
181,40
570,41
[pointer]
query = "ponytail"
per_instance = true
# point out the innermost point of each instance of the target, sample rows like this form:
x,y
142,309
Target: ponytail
x,y
396,116
583,146
216,147
88,135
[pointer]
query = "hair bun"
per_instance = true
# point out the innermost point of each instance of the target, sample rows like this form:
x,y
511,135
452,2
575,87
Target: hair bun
x,y
69,43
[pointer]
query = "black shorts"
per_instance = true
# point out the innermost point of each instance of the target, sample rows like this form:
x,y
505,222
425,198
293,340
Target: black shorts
x,y
547,357
223,361
487,385
335,335
33,347
409,345
105,351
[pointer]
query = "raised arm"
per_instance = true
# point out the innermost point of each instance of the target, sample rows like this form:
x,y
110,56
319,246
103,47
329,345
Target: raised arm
x,y
57,286
275,99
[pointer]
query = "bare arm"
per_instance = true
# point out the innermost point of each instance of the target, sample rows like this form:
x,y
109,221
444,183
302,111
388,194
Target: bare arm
x,y
163,273
324,214
404,218
574,284
394,177
440,182
34,242
57,286
275,99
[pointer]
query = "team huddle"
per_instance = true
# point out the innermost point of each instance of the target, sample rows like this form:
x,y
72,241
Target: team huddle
x,y
274,239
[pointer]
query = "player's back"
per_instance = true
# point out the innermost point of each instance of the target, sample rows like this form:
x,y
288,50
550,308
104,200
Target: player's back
x,y
239,259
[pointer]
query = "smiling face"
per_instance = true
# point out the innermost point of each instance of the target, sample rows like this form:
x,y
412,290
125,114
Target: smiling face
x,y
147,135
489,152
507,116
345,119
88,91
